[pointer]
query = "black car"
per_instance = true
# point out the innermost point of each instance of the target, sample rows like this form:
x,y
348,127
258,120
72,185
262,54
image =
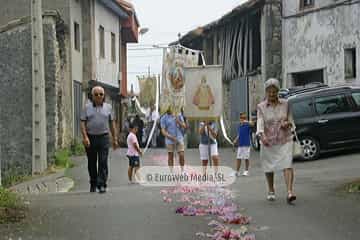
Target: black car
x,y
326,118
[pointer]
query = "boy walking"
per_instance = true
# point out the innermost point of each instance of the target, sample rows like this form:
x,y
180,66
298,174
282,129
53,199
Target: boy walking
x,y
242,140
133,153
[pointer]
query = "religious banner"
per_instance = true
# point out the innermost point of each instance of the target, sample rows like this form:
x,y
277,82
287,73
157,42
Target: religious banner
x,y
203,92
148,89
173,81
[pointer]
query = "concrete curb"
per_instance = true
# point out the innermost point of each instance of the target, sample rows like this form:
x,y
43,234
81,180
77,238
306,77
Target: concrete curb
x,y
53,183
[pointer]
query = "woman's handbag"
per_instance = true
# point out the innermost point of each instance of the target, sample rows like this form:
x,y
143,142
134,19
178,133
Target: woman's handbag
x,y
298,150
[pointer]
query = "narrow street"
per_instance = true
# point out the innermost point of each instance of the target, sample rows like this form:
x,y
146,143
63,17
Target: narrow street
x,y
137,212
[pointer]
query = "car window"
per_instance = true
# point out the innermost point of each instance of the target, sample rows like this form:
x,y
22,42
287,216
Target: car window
x,y
331,104
302,109
356,97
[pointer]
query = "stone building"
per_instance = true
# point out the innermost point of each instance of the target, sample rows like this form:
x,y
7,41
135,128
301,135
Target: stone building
x,y
247,42
84,45
321,42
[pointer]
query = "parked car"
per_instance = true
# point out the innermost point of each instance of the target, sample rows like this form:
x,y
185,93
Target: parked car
x,y
284,93
326,118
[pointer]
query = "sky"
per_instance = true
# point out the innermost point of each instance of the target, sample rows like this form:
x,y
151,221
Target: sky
x,y
165,19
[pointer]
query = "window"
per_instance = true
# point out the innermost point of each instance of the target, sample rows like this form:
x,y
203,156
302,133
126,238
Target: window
x,y
306,3
331,104
302,109
350,62
303,78
76,36
356,97
102,41
113,47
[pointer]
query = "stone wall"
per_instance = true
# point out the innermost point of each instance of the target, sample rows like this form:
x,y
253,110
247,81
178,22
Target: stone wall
x,y
64,92
271,28
14,9
51,78
256,91
16,80
15,105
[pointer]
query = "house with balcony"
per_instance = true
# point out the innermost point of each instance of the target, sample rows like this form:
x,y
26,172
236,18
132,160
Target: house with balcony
x,y
84,45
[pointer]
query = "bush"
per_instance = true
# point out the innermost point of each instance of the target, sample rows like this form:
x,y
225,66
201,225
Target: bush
x,y
77,148
13,179
62,158
12,208
353,187
8,199
14,175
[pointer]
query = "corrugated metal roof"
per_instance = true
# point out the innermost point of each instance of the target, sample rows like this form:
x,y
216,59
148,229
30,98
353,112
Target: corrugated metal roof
x,y
243,8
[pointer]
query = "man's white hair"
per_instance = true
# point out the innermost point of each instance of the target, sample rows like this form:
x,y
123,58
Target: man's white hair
x,y
97,88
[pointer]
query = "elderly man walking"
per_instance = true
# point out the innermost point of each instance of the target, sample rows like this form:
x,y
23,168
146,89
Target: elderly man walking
x,y
97,119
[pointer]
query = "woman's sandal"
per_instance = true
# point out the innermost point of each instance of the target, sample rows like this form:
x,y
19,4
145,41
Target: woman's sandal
x,y
290,198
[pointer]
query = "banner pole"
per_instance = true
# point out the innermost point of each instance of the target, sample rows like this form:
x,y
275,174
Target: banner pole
x,y
209,147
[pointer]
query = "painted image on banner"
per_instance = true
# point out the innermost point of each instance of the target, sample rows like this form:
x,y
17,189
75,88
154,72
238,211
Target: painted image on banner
x,y
203,97
172,87
203,92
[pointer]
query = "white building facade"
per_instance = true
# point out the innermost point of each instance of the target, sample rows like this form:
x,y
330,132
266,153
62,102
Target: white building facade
x,y
107,30
321,42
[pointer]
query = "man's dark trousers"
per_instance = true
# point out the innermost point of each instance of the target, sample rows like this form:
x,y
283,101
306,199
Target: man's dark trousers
x,y
97,155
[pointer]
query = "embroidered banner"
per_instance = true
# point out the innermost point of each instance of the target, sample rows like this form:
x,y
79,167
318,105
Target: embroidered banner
x,y
148,89
173,81
203,92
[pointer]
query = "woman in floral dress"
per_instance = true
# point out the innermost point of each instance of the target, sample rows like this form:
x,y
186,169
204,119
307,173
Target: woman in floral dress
x,y
274,124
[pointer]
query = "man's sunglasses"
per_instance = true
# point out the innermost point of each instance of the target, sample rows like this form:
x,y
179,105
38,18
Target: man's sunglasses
x,y
98,94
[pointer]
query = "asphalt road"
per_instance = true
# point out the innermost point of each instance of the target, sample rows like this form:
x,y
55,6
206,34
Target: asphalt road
x,y
138,212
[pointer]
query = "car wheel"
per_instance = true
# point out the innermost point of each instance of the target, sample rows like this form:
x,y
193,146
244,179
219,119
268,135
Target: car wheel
x,y
311,148
255,141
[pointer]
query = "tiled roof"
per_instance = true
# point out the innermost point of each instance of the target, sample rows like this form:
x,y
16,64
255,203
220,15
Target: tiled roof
x,y
129,8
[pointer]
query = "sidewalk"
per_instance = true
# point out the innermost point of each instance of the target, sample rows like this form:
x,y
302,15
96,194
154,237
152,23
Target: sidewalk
x,y
53,183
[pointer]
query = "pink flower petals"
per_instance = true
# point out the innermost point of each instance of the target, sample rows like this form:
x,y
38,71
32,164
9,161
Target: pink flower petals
x,y
249,236
200,234
187,211
167,199
179,210
215,201
235,219
164,192
214,223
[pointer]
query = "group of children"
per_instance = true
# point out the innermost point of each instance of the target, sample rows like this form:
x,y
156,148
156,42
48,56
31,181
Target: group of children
x,y
242,142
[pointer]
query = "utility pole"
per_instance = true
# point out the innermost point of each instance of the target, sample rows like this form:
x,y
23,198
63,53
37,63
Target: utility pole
x,y
39,139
